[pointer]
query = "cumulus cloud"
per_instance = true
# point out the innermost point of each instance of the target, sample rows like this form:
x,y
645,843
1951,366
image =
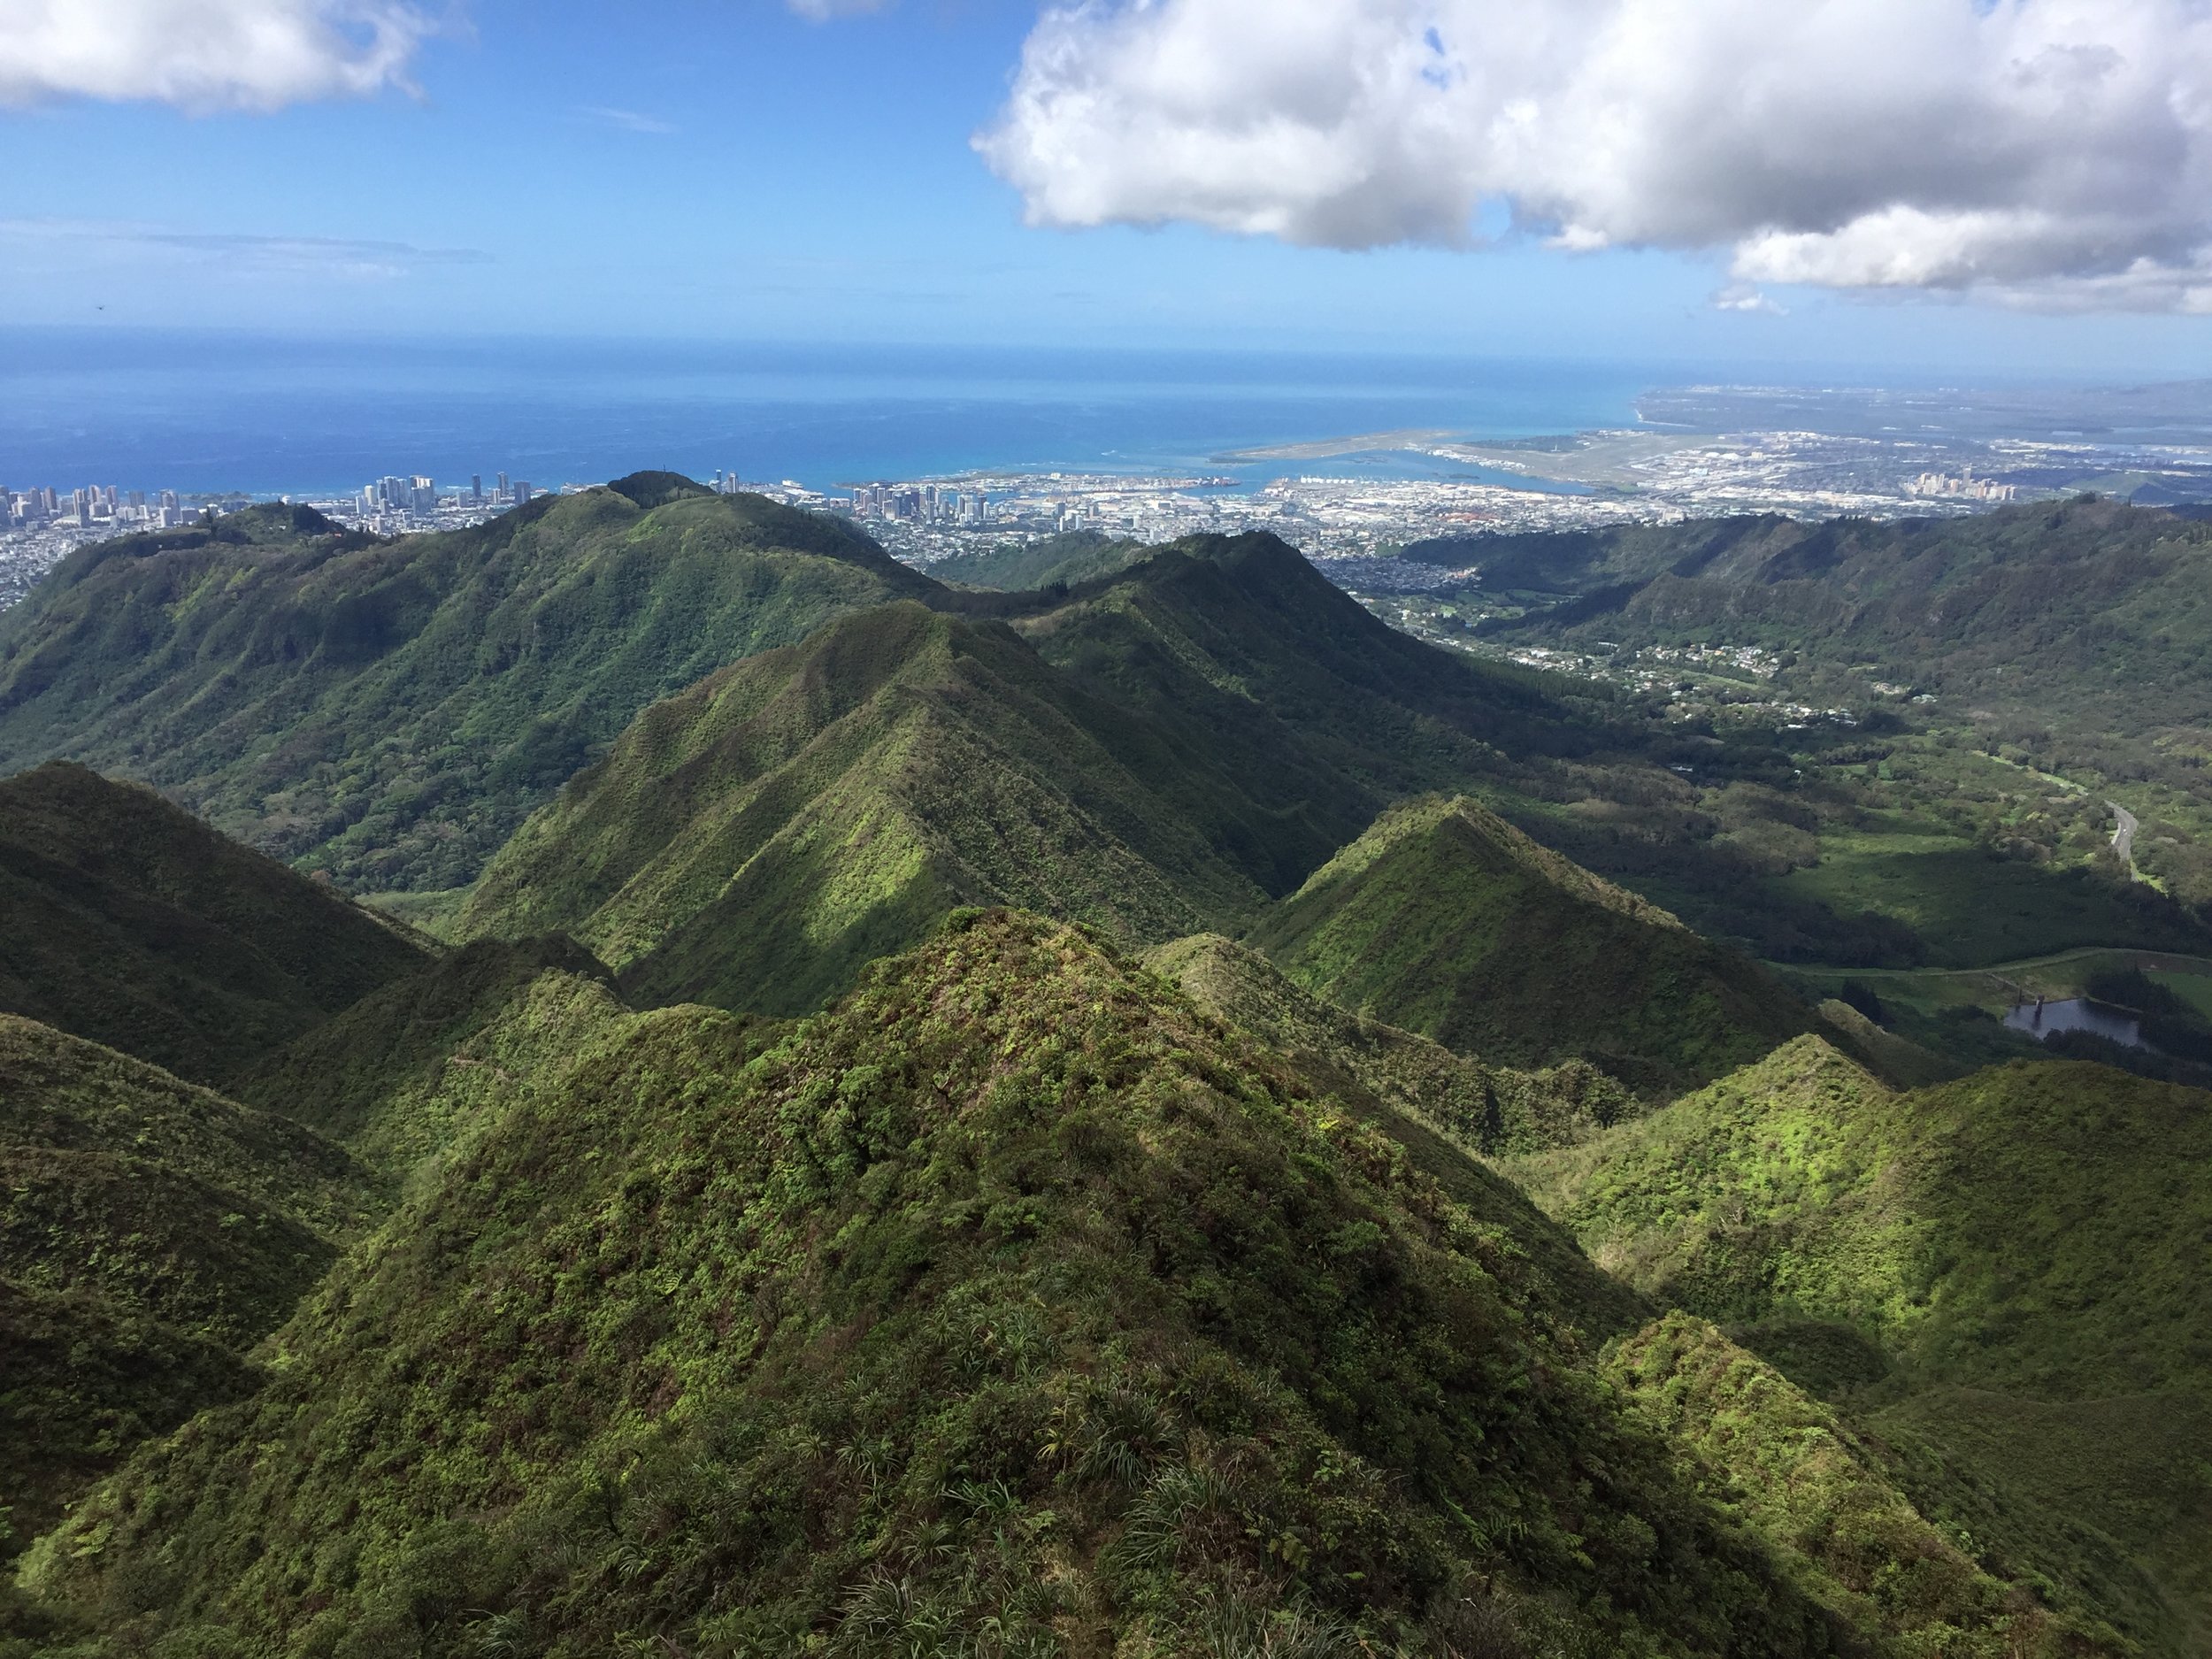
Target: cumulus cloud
x,y
205,55
2046,151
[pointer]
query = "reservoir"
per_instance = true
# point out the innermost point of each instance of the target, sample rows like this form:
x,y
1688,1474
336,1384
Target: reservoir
x,y
2076,1013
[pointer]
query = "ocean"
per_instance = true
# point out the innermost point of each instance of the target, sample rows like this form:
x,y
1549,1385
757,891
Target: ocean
x,y
202,412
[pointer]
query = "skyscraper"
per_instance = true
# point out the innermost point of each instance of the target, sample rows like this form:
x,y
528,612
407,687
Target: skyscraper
x,y
476,488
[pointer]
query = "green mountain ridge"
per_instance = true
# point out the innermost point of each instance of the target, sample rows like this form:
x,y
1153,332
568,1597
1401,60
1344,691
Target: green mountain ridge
x,y
390,711
1983,1270
405,1072
755,840
1488,1108
129,922
1144,754
1010,1295
151,1232
1796,1472
1320,1220
2067,640
1444,919
1074,556
1300,702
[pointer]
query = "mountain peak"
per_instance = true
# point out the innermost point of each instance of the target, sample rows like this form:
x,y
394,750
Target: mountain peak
x,y
1474,831
650,489
1445,919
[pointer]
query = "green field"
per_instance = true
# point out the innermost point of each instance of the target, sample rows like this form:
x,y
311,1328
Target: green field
x,y
2061,973
2194,988
1972,907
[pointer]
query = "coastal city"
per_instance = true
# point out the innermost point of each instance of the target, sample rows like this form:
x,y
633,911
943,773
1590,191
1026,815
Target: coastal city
x,y
1350,504
1715,680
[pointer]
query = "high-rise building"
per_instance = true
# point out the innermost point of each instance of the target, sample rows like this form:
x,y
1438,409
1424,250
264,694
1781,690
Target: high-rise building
x,y
476,488
523,492
503,493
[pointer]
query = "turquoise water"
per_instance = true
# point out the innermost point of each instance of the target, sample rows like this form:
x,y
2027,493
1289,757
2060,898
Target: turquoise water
x,y
185,412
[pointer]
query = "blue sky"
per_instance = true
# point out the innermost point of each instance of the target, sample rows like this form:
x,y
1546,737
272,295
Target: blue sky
x,y
726,169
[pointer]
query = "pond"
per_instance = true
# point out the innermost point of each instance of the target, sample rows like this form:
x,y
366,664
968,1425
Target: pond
x,y
2076,1013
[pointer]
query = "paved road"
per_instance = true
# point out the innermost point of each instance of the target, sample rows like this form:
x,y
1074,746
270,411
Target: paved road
x,y
2123,837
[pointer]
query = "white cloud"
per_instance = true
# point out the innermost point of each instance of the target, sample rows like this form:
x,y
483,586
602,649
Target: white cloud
x,y
110,242
2051,152
627,121
205,55
1741,296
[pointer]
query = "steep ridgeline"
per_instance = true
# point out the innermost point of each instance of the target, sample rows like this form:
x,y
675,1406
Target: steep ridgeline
x,y
2090,623
1303,716
1013,1307
1444,919
1172,746
2008,1280
1439,1106
390,712
2083,588
151,1232
127,921
404,1074
1488,1108
1079,556
755,840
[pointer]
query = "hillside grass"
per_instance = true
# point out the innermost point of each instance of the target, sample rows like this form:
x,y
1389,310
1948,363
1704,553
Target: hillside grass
x,y
1973,909
390,711
404,1074
754,842
127,921
150,1234
2002,1279
1447,921
1487,1109
1011,1306
1075,556
1824,1496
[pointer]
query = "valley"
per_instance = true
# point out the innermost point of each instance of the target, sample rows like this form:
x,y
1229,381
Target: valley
x,y
645,1077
